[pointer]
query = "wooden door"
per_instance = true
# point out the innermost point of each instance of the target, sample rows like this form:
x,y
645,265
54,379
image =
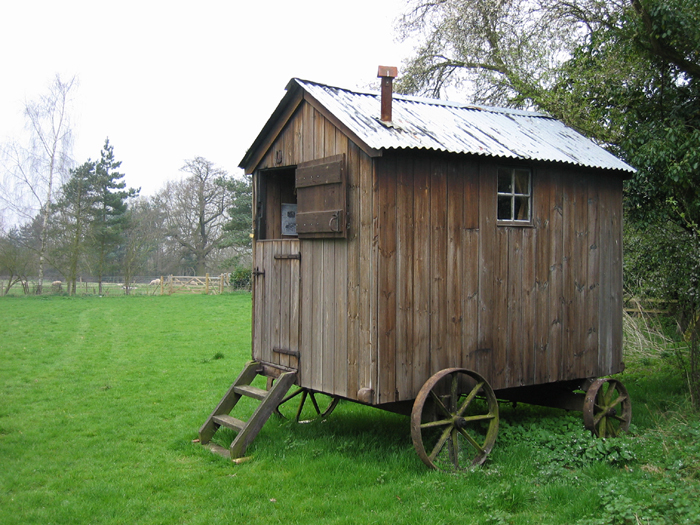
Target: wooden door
x,y
276,282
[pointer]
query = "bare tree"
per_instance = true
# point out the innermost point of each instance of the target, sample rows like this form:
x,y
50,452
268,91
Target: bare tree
x,y
195,211
34,169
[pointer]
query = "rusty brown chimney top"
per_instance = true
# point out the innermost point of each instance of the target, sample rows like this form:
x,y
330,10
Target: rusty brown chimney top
x,y
387,74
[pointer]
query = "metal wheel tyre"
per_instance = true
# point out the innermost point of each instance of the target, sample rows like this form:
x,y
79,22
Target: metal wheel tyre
x,y
454,421
607,409
304,406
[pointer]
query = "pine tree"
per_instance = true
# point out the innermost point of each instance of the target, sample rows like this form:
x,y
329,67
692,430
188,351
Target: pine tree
x,y
107,229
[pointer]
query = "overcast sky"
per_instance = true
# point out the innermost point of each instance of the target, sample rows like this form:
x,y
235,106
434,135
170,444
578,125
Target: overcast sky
x,y
170,80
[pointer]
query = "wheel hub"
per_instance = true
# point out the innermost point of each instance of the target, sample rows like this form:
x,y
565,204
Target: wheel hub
x,y
460,422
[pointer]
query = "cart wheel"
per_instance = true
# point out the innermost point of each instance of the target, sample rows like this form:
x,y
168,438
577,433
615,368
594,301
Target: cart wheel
x,y
607,409
454,420
304,406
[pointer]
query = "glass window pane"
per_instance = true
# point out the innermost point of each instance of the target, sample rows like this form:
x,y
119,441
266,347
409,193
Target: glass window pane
x,y
504,208
522,209
522,182
505,180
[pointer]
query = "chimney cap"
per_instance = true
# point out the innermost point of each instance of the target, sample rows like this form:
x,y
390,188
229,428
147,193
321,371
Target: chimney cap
x,y
387,72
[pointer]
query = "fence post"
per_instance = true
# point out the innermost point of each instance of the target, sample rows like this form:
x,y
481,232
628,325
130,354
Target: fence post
x,y
171,284
162,285
206,284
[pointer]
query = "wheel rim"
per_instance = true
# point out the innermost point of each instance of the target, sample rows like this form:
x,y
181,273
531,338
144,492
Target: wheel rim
x,y
304,406
607,409
454,421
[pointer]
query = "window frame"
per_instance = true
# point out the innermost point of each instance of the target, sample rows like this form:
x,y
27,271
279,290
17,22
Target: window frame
x,y
513,194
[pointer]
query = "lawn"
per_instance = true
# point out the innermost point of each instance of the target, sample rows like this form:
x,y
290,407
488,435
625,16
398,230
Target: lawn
x,y
101,398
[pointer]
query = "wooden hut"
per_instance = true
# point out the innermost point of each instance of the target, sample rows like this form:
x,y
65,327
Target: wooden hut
x,y
397,236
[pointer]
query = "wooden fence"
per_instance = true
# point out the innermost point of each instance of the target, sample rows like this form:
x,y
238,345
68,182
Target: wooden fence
x,y
192,284
639,306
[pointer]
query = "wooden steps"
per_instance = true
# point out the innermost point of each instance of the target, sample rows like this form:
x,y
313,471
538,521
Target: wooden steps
x,y
246,430
229,422
251,391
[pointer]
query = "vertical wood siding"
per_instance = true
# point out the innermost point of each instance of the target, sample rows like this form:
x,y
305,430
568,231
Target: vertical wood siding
x,y
521,305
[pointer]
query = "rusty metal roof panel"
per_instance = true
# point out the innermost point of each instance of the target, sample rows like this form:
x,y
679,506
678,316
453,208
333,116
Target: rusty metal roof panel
x,y
420,123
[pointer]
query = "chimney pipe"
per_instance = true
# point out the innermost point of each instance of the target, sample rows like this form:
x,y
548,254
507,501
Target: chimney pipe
x,y
387,74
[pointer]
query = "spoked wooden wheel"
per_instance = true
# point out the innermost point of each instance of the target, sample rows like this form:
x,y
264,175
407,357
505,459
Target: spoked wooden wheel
x,y
304,406
454,420
607,409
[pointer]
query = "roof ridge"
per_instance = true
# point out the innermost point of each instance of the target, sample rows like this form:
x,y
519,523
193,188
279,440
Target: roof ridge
x,y
432,101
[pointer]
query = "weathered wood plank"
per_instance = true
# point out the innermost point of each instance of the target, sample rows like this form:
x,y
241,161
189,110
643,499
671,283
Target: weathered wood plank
x,y
328,316
386,339
342,248
405,228
374,287
556,282
326,221
329,254
514,330
542,218
499,375
295,307
581,268
307,308
526,338
367,269
591,328
604,312
308,133
270,302
327,170
439,353
421,272
320,336
453,314
354,306
487,249
610,359
258,299
471,263
297,153
284,266
616,301
569,272
317,315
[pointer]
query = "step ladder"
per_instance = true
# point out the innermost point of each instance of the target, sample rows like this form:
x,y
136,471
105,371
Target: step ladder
x,y
246,430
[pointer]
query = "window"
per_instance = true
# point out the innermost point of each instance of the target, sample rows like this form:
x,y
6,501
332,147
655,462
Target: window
x,y
276,204
514,195
308,201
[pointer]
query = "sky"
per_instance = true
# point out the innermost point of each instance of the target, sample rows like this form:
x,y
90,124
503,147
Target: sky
x,y
167,81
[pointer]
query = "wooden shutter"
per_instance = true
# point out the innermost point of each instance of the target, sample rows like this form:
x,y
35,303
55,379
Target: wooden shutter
x,y
321,198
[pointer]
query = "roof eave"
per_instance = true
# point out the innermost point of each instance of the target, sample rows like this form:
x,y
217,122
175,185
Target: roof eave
x,y
295,94
274,125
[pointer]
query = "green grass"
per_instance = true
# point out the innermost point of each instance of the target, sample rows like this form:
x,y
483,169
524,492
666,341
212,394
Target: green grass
x,y
100,399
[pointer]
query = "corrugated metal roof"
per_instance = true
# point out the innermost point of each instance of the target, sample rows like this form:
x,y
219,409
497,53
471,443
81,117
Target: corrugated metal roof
x,y
420,123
